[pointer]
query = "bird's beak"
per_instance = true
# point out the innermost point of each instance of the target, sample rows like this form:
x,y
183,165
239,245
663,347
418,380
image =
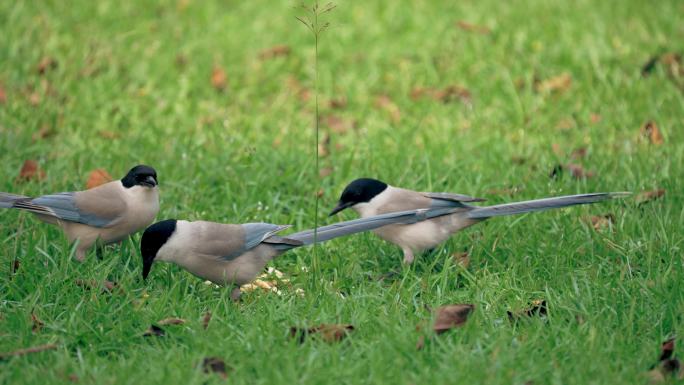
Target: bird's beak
x,y
340,206
150,181
147,265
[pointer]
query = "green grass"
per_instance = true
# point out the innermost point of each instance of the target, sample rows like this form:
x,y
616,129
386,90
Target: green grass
x,y
246,155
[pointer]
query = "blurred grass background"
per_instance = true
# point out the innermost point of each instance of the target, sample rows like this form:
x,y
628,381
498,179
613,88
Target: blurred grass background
x,y
124,83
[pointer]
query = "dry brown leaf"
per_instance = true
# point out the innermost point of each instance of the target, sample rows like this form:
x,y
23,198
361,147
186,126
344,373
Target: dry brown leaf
x,y
23,352
464,25
105,286
673,63
558,83
326,332
652,133
215,365
385,103
595,118
445,95
556,148
648,196
462,258
30,170
98,177
537,308
106,134
36,323
275,51
206,319
601,221
578,153
577,171
451,316
44,132
293,84
154,331
46,63
171,321
3,95
338,103
219,79
337,124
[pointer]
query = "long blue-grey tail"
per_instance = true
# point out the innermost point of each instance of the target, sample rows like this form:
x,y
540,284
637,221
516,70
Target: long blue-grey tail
x,y
7,200
326,233
541,204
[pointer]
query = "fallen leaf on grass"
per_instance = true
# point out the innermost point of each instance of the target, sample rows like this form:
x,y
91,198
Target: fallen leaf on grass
x,y
275,51
154,331
577,171
451,316
171,321
98,177
44,132
446,95
384,102
206,319
672,62
538,308
106,286
601,221
106,134
558,83
595,118
23,352
46,63
464,25
3,95
326,332
337,124
215,365
30,170
219,80
338,103
36,323
325,171
668,366
578,153
652,133
296,87
462,258
649,196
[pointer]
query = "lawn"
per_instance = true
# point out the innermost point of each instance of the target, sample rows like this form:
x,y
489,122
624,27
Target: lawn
x,y
481,98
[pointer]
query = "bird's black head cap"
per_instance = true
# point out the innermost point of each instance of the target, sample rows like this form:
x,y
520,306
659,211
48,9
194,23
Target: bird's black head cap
x,y
140,175
359,191
152,240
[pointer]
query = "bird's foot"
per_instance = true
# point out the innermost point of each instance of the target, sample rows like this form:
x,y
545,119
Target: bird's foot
x,y
235,294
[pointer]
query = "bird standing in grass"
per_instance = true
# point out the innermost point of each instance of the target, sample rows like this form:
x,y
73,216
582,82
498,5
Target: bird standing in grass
x,y
105,214
234,255
370,197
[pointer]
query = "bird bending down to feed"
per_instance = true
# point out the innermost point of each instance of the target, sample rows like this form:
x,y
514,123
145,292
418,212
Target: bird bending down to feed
x,y
370,197
105,214
234,255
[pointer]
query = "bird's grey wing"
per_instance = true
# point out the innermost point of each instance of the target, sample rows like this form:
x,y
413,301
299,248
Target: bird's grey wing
x,y
253,234
449,199
99,207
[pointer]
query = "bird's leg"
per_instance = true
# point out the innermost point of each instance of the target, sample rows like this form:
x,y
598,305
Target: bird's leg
x,y
235,294
80,254
408,255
